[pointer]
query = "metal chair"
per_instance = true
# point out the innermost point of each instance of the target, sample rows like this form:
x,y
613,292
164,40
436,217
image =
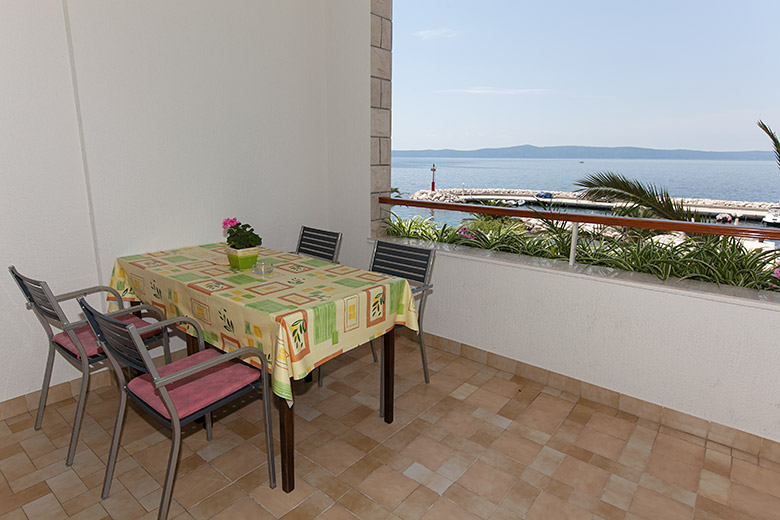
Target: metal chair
x,y
75,342
413,263
178,393
319,244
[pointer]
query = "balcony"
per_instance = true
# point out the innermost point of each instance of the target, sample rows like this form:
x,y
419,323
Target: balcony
x,y
555,392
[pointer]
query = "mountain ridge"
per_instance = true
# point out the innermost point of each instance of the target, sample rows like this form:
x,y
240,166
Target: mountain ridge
x,y
527,151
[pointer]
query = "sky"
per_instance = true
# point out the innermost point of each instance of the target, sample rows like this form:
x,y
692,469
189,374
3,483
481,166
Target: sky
x,y
689,74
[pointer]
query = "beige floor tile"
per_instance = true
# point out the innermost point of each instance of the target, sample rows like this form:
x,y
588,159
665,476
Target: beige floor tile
x,y
239,461
217,502
444,509
601,443
545,413
469,501
280,503
66,485
197,485
673,471
755,503
417,503
756,477
547,461
459,423
520,498
679,449
504,387
650,505
611,426
715,487
487,400
582,476
487,481
244,508
387,487
428,452
336,512
362,507
45,508
517,447
336,456
619,492
548,506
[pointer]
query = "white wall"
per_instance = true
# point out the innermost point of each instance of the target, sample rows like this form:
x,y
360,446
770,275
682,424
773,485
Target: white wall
x,y
715,357
45,228
191,111
349,102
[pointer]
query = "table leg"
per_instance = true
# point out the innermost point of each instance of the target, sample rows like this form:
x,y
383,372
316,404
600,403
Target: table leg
x,y
135,303
388,367
192,345
287,438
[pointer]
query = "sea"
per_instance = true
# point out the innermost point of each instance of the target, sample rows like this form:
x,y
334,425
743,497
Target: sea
x,y
753,181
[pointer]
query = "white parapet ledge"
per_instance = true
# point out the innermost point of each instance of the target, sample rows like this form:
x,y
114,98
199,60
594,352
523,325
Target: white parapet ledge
x,y
727,294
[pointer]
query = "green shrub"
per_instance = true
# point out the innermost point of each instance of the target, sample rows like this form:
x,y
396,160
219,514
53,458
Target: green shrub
x,y
716,259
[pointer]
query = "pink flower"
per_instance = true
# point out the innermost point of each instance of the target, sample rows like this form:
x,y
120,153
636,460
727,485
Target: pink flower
x,y
230,222
465,233
776,274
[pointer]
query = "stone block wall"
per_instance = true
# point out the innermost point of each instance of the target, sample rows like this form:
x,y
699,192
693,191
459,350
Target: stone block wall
x,y
381,75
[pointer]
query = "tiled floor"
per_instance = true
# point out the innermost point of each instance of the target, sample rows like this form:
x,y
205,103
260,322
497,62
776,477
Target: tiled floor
x,y
475,443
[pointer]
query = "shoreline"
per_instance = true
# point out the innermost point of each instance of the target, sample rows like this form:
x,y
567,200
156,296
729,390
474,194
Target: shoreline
x,y
742,209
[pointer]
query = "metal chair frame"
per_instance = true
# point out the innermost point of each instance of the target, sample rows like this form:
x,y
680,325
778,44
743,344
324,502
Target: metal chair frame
x,y
123,345
319,243
415,265
46,306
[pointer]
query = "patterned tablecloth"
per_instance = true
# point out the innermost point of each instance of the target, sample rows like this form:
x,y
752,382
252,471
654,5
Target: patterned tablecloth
x,y
303,314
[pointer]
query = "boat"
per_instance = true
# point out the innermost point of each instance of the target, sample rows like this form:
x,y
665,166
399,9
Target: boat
x,y
772,218
544,195
723,218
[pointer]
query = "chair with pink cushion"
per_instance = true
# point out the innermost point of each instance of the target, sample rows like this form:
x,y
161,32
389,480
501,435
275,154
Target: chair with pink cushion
x,y
177,393
75,339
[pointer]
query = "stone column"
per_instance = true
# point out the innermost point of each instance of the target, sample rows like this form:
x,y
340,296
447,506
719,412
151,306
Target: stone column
x,y
381,75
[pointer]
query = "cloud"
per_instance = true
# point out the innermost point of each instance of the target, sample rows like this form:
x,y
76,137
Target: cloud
x,y
435,34
496,91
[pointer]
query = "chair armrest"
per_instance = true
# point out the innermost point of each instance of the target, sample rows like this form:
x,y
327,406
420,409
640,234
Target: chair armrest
x,y
121,312
421,288
200,367
74,325
172,321
137,308
91,290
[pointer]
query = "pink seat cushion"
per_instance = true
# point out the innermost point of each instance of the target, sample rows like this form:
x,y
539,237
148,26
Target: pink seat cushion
x,y
89,341
197,391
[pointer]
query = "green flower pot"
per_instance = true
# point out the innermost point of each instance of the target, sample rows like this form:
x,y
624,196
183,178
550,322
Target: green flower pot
x,y
242,258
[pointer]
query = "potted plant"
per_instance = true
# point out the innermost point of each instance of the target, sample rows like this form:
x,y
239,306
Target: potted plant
x,y
242,243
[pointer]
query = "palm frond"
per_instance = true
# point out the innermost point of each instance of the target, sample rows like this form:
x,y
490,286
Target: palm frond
x,y
775,142
614,186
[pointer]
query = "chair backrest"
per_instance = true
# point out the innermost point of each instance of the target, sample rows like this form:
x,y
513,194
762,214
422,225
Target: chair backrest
x,y
116,338
40,298
319,243
412,263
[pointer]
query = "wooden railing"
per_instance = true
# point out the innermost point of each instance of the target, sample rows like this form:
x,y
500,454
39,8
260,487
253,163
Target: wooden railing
x,y
644,223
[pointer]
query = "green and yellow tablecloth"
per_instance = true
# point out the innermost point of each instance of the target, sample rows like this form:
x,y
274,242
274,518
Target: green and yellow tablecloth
x,y
303,314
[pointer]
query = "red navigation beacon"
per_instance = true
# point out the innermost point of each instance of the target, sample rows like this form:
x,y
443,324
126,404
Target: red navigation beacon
x,y
433,178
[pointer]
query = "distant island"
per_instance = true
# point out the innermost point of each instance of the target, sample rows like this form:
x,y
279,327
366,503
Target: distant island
x,y
528,151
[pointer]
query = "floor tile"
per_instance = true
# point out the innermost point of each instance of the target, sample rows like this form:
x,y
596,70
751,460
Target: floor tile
x,y
474,444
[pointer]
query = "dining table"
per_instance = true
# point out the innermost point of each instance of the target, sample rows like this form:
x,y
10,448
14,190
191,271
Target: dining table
x,y
303,313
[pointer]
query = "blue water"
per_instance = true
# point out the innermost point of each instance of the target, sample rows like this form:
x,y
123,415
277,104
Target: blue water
x,y
755,181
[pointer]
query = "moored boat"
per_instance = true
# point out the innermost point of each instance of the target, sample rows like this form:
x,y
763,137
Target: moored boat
x,y
772,217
